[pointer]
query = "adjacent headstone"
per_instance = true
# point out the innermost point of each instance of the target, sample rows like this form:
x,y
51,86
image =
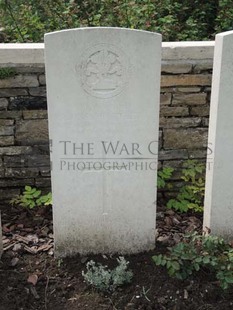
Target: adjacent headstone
x,y
218,206
103,88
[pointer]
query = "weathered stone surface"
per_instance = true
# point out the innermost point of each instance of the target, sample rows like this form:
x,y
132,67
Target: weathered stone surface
x,y
200,111
188,89
30,132
174,111
6,140
205,122
43,182
207,89
196,154
165,99
189,138
27,103
42,149
189,99
35,114
203,66
186,80
3,103
173,154
2,172
11,114
160,139
177,165
35,68
15,150
174,122
167,89
6,122
21,172
14,161
42,79
20,81
7,194
16,182
45,171
6,130
13,92
187,50
176,67
36,160
38,91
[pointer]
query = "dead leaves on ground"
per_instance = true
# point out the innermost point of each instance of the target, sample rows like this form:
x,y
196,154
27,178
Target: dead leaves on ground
x,y
171,226
25,234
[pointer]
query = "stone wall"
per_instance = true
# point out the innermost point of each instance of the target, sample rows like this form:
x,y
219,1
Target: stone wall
x,y
24,143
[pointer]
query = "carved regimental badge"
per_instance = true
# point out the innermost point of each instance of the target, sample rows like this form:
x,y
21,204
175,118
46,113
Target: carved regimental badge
x,y
104,71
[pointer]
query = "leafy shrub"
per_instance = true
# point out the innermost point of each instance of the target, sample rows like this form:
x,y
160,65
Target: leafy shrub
x,y
107,280
164,175
191,194
196,253
224,20
27,21
31,198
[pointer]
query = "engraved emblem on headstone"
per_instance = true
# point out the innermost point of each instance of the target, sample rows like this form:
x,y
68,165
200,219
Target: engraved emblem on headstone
x,y
104,71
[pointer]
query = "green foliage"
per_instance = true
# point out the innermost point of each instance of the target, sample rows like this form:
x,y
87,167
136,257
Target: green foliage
x,y
196,253
191,195
31,198
224,20
27,21
107,280
6,72
164,175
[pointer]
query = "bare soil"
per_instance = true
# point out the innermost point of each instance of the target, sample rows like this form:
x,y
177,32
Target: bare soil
x,y
31,278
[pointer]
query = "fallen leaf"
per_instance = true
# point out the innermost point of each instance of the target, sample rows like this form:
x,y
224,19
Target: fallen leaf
x,y
50,252
33,278
8,247
5,241
14,261
5,228
44,231
163,239
32,238
17,247
175,220
44,247
32,250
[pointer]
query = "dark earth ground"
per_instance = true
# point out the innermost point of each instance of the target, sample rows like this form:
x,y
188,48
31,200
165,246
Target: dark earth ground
x,y
30,277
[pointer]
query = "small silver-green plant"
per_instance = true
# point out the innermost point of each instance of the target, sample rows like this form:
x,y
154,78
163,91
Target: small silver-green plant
x,y
107,280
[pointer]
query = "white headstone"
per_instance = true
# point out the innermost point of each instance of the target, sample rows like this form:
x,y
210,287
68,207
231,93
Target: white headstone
x,y
103,88
218,206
